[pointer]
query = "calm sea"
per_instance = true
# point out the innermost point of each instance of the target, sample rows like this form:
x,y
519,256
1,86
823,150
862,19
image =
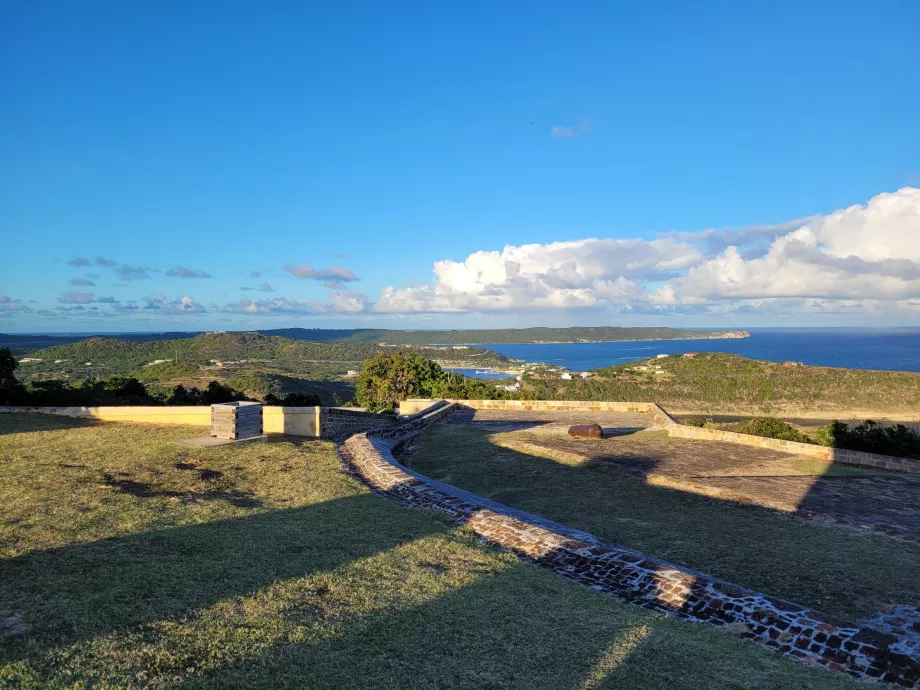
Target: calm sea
x,y
861,348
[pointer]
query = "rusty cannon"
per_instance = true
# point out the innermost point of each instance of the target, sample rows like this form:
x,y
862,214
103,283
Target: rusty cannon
x,y
586,431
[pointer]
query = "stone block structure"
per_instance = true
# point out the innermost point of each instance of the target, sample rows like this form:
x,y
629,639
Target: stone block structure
x,y
783,626
236,420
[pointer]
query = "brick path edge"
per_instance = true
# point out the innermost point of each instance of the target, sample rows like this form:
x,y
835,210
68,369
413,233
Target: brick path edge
x,y
785,627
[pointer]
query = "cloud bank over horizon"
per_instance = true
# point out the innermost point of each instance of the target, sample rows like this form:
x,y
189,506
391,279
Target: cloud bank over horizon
x,y
860,262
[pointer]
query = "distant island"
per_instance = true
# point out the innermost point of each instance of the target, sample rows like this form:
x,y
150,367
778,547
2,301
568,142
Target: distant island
x,y
502,336
23,344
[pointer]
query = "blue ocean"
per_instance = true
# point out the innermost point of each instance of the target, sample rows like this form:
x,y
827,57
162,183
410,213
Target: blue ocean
x,y
896,349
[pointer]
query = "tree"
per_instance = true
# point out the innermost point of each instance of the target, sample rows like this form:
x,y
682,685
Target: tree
x,y
11,391
386,379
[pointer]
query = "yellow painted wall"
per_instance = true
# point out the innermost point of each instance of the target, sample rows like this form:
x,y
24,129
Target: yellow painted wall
x,y
193,416
295,421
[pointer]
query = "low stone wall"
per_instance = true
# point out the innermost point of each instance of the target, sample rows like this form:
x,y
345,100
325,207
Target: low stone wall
x,y
780,625
340,421
556,405
189,415
846,457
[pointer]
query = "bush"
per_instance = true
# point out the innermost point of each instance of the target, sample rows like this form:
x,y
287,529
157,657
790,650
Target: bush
x,y
872,437
293,400
11,391
695,421
770,427
386,379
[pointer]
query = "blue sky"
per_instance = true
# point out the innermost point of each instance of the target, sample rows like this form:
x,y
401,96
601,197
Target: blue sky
x,y
472,164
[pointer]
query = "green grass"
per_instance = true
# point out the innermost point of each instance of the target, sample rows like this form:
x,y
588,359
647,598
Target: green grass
x,y
729,384
282,572
831,568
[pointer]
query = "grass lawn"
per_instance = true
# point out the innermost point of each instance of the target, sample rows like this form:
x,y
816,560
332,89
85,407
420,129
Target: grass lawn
x,y
831,568
135,562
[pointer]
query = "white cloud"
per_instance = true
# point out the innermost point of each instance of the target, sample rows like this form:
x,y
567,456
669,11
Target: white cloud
x,y
860,259
158,304
573,131
584,273
862,252
341,303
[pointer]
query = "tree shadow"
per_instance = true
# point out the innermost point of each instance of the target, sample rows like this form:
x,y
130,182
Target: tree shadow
x,y
31,422
86,590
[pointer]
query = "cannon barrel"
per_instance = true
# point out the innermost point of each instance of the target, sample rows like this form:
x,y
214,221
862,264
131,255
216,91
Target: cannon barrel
x,y
586,431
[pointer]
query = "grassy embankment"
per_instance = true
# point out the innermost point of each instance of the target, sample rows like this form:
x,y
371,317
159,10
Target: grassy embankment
x,y
717,383
131,562
829,567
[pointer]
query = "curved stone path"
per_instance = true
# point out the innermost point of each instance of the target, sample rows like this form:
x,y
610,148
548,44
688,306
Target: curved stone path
x,y
786,627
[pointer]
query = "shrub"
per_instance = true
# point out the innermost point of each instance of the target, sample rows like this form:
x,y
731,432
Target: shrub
x,y
695,421
770,427
11,391
872,437
293,400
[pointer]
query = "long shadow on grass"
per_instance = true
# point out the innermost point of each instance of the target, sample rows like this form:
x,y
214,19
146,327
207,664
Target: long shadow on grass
x,y
515,628
86,590
30,422
827,567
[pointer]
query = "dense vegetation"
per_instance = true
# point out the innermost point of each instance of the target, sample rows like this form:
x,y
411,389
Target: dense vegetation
x,y
871,437
254,363
506,336
767,427
868,436
387,379
728,384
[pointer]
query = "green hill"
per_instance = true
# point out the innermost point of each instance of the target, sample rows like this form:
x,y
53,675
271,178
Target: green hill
x,y
718,383
251,362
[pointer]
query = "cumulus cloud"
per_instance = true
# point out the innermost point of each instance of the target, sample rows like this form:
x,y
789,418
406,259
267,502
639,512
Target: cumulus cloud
x,y
81,282
582,273
76,297
107,300
79,261
862,258
266,287
340,303
183,272
336,274
861,252
102,261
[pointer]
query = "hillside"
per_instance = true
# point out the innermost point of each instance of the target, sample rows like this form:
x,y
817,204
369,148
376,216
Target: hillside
x,y
503,336
251,362
717,383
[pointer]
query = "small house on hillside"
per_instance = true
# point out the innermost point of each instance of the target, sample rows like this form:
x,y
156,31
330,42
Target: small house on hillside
x,y
567,376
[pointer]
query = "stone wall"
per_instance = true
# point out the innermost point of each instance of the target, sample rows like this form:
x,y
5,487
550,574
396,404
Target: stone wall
x,y
846,457
342,421
780,625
